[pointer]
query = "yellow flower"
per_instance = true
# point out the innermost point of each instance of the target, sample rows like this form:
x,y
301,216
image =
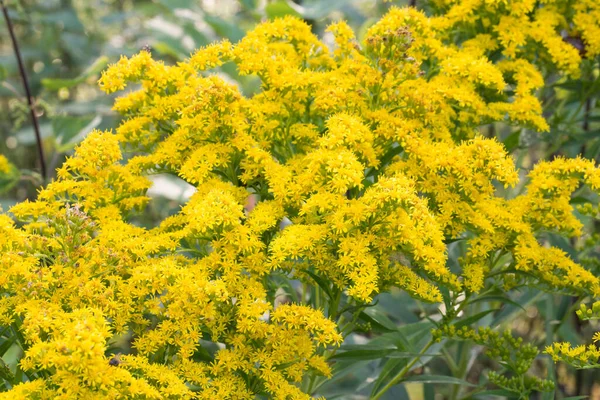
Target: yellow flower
x,y
4,165
361,162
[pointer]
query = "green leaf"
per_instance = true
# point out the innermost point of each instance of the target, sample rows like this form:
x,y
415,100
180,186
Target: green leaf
x,y
579,200
394,365
575,86
7,344
453,240
564,244
389,370
280,8
502,299
69,131
94,69
2,73
19,374
377,318
321,282
512,141
170,47
362,353
5,373
417,329
389,302
473,318
446,297
342,369
450,380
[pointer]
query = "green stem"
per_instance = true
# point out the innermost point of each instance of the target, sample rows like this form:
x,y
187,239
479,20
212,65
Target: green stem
x,y
403,372
333,307
318,299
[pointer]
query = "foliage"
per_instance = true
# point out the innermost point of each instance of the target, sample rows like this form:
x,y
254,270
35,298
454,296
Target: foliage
x,y
355,174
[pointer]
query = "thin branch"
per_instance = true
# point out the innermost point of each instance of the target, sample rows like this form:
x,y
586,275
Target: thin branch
x,y
34,120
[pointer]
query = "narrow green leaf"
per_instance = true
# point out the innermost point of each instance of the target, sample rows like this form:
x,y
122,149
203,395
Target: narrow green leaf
x,y
94,69
473,318
341,369
417,329
389,370
575,86
579,200
5,373
170,46
69,131
502,299
512,141
361,355
376,317
450,380
7,344
446,297
453,240
321,282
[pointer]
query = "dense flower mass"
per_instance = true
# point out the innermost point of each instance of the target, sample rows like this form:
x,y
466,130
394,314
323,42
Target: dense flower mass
x,y
369,151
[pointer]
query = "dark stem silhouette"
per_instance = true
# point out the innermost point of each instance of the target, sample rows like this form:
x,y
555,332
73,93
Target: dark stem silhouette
x,y
34,120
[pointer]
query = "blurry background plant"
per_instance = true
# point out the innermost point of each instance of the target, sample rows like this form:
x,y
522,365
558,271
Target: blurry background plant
x,y
66,43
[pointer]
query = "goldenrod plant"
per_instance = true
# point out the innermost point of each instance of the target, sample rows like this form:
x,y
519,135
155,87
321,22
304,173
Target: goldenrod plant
x,y
349,175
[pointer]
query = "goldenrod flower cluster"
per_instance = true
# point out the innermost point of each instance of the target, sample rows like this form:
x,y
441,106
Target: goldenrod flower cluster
x,y
370,149
524,29
579,356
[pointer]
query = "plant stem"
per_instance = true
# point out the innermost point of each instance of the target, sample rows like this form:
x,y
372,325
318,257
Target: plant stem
x,y
403,372
34,120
